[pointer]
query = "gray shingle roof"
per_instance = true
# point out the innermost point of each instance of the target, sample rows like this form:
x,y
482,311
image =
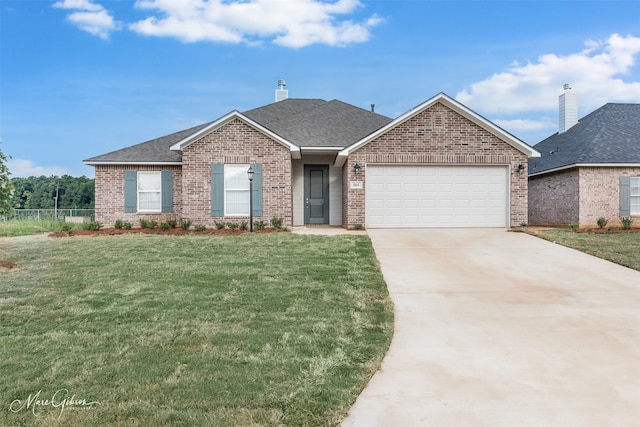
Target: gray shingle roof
x,y
318,123
610,134
153,151
303,122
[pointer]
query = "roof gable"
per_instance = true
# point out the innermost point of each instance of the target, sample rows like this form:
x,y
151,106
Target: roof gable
x,y
609,135
453,105
213,126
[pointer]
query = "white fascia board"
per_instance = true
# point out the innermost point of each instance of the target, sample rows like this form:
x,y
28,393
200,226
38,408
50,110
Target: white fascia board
x,y
180,145
320,150
455,106
89,163
587,165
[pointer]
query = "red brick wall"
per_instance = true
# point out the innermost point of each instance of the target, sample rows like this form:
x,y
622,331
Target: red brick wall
x,y
554,198
438,135
600,194
578,196
236,142
109,186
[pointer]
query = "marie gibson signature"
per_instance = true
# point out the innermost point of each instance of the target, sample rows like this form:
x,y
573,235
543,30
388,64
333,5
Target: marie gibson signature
x,y
59,400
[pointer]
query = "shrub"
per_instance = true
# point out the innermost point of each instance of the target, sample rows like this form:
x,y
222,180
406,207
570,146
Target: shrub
x,y
185,224
220,224
573,227
233,225
119,224
357,226
172,222
127,225
165,226
626,221
67,228
199,227
259,225
524,224
148,223
244,225
276,222
93,225
602,222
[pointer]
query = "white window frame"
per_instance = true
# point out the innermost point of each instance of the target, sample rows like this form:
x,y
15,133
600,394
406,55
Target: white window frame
x,y
158,191
634,185
236,186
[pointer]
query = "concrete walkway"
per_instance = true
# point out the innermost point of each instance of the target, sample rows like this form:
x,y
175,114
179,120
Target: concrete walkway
x,y
495,328
325,230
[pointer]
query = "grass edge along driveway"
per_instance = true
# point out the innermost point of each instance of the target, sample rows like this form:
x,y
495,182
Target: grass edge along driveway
x,y
620,248
249,330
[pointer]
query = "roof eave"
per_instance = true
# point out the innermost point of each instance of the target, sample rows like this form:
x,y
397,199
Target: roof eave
x,y
108,162
586,165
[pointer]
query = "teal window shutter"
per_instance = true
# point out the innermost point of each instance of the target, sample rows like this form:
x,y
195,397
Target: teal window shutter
x,y
217,189
625,196
130,191
257,189
167,191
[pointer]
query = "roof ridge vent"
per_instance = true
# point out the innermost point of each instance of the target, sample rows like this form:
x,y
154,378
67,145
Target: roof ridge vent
x,y
281,92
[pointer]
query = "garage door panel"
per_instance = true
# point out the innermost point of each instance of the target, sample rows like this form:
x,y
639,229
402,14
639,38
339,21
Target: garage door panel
x,y
436,196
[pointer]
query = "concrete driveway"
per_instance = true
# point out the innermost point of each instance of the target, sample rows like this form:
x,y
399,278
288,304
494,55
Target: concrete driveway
x,y
495,328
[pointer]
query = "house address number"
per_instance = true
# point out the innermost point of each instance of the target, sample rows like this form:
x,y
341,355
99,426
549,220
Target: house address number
x,y
356,185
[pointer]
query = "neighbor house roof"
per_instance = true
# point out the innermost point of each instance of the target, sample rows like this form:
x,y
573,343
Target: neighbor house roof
x,y
609,136
455,106
295,123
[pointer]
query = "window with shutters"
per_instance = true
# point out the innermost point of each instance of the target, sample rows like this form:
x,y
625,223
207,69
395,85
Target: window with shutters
x,y
236,190
149,192
635,195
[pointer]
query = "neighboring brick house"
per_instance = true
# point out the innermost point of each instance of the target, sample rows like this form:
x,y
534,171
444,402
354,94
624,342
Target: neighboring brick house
x,y
318,162
589,169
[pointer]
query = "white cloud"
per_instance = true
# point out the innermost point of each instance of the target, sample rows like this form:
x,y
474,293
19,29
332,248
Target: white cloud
x,y
89,17
290,23
78,4
25,168
596,75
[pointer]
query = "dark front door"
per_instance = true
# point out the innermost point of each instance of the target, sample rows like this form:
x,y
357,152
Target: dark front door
x,y
316,194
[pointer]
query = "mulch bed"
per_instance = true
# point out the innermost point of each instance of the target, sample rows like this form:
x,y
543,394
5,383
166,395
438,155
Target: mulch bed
x,y
7,264
170,232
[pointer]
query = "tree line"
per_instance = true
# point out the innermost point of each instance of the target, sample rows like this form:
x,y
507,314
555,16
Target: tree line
x,y
40,192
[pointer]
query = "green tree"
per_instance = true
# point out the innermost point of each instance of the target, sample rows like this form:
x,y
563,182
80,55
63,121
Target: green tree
x,y
6,187
40,192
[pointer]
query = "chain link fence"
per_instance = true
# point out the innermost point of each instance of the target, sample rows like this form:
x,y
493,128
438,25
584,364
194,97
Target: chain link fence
x,y
48,214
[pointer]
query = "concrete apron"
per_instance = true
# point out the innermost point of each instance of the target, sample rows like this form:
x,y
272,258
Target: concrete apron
x,y
495,328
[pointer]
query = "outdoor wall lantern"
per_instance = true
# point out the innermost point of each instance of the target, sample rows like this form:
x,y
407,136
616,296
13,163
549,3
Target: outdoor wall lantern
x,y
520,168
356,168
250,175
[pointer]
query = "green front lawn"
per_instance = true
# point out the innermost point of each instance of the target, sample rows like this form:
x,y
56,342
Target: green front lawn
x,y
248,330
621,248
24,227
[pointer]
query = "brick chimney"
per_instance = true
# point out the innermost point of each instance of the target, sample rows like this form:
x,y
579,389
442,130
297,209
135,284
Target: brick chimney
x,y
568,109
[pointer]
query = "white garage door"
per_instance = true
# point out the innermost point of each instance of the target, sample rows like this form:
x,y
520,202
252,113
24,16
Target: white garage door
x,y
413,196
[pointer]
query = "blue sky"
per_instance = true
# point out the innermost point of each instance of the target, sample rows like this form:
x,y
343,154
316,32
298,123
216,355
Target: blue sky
x,y
81,78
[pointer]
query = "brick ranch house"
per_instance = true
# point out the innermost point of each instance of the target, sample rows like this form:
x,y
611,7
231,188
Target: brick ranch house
x,y
324,162
589,169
